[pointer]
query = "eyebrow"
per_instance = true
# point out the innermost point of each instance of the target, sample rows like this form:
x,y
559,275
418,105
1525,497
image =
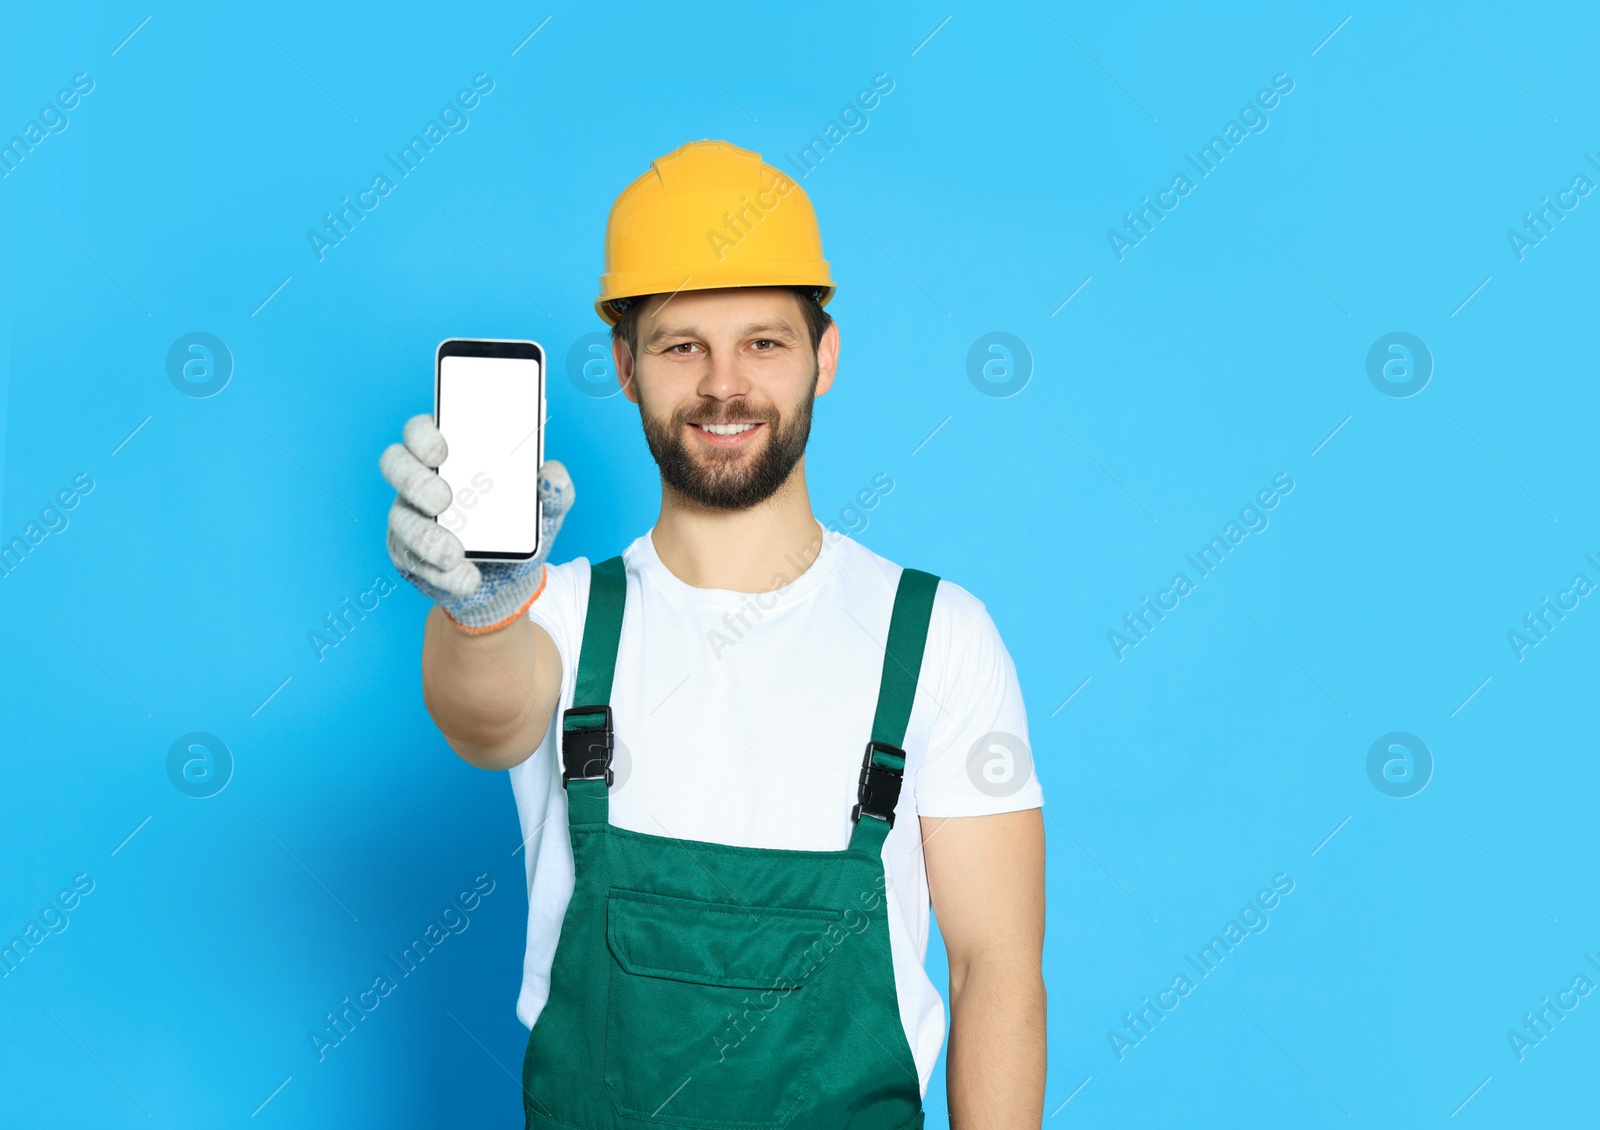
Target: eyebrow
x,y
772,329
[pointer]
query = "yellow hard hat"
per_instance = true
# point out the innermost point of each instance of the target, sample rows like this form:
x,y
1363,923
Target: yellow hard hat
x,y
706,216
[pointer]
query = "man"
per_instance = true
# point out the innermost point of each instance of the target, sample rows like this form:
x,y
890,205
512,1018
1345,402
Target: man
x,y
728,898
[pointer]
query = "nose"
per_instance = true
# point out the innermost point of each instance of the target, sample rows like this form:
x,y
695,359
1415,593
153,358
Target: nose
x,y
723,377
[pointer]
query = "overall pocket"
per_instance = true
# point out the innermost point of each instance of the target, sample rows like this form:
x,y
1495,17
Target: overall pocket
x,y
707,1019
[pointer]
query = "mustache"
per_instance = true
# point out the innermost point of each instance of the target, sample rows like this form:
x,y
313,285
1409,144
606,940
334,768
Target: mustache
x,y
740,411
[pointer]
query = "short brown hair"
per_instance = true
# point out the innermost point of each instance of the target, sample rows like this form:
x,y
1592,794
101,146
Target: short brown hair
x,y
817,319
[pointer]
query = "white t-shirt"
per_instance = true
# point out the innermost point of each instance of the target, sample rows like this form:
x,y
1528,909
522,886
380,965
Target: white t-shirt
x,y
742,719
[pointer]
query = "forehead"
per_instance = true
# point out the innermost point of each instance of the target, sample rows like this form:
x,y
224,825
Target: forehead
x,y
724,310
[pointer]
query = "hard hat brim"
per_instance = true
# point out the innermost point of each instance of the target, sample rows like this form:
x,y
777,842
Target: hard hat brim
x,y
641,284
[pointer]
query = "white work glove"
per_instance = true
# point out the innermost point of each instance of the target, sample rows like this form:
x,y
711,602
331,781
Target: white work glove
x,y
479,596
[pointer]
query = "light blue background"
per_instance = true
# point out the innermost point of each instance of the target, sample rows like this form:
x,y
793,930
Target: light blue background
x,y
1224,350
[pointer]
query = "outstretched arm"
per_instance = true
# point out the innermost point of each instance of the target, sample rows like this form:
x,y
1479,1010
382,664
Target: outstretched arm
x,y
490,695
491,677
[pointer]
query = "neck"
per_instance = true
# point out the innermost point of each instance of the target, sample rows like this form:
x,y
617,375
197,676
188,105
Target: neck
x,y
755,550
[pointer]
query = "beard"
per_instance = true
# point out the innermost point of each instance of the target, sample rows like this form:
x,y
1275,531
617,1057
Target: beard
x,y
729,479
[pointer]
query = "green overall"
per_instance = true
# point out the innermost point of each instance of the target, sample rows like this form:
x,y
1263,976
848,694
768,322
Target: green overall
x,y
717,987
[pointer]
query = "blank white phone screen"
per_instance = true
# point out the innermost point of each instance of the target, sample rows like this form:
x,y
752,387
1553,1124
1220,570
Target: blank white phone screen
x,y
489,414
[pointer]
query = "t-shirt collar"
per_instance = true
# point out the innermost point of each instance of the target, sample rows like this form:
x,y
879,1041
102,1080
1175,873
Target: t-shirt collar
x,y
644,559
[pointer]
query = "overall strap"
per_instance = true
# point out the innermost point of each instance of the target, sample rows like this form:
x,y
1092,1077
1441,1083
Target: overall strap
x,y
587,737
883,767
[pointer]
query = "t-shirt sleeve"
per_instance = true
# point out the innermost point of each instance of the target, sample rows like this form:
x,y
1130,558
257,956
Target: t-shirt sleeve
x,y
978,761
560,608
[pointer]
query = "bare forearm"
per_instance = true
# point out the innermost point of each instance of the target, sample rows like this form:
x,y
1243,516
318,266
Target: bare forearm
x,y
995,1069
490,695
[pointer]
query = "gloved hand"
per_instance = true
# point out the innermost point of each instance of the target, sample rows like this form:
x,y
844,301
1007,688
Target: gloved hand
x,y
479,596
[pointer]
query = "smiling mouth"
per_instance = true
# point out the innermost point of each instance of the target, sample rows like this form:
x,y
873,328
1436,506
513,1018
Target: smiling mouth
x,y
728,435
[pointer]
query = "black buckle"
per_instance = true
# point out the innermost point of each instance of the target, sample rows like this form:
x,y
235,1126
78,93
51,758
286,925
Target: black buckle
x,y
879,790
586,750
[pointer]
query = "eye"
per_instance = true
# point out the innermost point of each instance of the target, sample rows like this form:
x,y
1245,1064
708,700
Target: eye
x,y
764,345
683,348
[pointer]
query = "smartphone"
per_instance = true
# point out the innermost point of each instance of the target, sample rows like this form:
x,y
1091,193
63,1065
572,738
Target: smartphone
x,y
488,401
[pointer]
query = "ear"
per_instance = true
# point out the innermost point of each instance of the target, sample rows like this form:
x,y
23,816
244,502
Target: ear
x,y
622,356
827,357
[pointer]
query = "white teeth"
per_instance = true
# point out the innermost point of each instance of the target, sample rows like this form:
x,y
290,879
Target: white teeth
x,y
727,429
